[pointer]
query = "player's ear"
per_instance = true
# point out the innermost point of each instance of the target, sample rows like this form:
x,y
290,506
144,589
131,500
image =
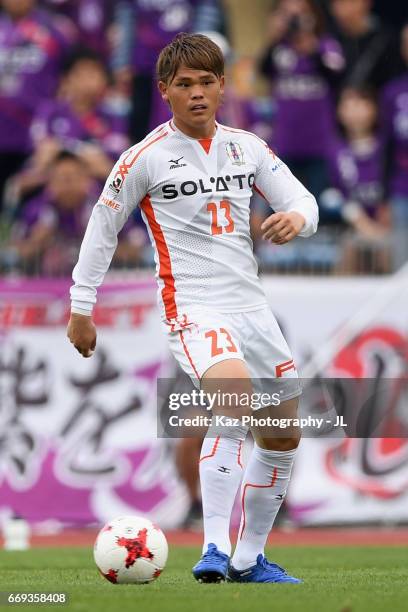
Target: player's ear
x,y
163,90
222,84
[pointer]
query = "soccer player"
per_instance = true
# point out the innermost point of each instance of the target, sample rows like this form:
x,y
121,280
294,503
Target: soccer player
x,y
193,179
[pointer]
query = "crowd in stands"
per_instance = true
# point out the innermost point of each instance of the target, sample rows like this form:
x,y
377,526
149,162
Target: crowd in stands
x,y
77,87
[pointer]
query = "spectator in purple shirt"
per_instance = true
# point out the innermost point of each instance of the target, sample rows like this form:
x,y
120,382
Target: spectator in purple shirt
x,y
91,18
47,236
301,62
31,52
83,112
144,27
370,48
394,116
80,119
356,179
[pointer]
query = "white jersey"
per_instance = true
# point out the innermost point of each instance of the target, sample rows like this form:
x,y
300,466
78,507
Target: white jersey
x,y
194,196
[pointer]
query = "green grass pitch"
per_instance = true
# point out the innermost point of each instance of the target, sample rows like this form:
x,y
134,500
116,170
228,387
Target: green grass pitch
x,y
336,579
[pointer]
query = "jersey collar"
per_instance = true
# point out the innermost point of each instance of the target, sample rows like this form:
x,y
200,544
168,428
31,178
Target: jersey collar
x,y
174,128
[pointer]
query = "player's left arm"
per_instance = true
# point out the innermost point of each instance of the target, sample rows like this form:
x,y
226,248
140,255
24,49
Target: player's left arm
x,y
296,211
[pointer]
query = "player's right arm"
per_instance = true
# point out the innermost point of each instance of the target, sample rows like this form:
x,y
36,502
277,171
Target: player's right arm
x,y
124,189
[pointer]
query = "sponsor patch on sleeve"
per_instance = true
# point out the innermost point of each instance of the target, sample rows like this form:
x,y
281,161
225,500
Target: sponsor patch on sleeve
x,y
110,203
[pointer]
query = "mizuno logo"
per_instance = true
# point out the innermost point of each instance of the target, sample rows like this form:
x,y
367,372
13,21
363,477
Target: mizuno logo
x,y
175,163
223,469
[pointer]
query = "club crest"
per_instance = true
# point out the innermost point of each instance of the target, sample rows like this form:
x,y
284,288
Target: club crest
x,y
235,153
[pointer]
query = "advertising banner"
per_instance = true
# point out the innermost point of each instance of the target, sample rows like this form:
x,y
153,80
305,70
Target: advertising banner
x,y
78,437
351,480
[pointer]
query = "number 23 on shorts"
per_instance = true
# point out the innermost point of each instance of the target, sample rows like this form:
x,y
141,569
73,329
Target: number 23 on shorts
x,y
213,335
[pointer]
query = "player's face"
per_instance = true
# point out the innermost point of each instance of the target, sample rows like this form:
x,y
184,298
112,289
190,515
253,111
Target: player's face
x,y
194,96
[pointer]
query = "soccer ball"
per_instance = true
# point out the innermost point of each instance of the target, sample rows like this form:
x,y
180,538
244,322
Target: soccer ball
x,y
130,550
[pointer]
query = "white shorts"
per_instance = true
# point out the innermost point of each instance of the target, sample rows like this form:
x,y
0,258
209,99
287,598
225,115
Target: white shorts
x,y
200,339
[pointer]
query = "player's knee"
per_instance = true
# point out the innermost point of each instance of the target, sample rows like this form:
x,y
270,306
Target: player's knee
x,y
278,444
228,369
228,389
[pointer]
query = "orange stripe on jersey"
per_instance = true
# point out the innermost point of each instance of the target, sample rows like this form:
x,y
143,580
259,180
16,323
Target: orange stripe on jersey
x,y
206,144
237,131
159,129
126,165
165,271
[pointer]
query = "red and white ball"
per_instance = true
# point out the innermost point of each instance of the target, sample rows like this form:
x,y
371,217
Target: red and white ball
x,y
130,550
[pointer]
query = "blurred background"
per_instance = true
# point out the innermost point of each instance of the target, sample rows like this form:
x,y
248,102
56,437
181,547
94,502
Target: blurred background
x,y
325,83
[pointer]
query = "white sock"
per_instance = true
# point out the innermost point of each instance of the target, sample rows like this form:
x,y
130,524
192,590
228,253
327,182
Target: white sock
x,y
220,476
263,488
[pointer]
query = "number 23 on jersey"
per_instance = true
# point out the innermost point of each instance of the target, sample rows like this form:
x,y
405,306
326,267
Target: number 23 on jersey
x,y
221,220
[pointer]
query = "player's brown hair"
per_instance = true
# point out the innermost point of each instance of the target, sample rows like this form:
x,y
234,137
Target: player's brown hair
x,y
194,51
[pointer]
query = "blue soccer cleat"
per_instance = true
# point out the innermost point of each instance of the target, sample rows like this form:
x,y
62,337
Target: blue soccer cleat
x,y
212,567
263,571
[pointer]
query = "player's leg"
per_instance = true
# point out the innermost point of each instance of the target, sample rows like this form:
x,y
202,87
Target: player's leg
x,y
269,467
264,486
209,350
220,461
221,469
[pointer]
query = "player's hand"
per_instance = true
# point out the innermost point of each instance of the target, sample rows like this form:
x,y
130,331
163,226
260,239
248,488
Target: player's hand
x,y
282,227
81,332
